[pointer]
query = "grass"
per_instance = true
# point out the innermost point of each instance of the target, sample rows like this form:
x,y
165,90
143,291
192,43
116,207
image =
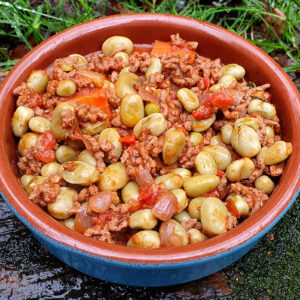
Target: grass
x,y
33,24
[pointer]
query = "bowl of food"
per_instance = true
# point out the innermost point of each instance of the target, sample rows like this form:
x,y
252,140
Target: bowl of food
x,y
148,149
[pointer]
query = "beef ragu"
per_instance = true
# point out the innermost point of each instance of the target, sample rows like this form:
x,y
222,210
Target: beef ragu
x,y
149,145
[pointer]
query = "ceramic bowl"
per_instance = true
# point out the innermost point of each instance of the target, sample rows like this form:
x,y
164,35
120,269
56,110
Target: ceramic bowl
x,y
146,267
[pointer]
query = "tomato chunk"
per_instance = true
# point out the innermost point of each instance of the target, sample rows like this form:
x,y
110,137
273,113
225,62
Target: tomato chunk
x,y
46,143
222,100
202,113
147,197
128,139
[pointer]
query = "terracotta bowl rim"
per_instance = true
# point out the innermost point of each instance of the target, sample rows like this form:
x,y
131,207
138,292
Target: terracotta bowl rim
x,y
239,236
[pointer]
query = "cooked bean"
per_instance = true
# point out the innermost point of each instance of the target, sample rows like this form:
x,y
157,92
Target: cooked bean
x,y
182,200
81,173
125,84
59,132
172,234
87,157
196,236
66,88
63,203
20,120
202,125
245,141
111,135
151,108
38,81
27,141
79,60
184,173
113,178
196,138
155,67
25,180
130,191
117,43
214,216
171,181
214,88
145,239
265,184
39,124
155,122
95,128
34,181
143,219
183,216
131,109
250,122
195,207
216,140
70,223
240,169
52,168
188,99
235,70
123,56
237,205
220,154
267,110
200,184
276,153
205,164
64,153
124,70
227,80
270,132
108,84
173,145
226,132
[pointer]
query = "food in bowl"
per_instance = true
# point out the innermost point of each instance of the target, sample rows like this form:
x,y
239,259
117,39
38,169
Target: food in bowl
x,y
147,146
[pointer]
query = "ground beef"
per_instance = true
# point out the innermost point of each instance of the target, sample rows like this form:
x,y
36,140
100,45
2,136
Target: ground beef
x,y
207,135
68,119
275,170
139,61
46,192
112,98
188,155
259,168
158,81
231,222
100,63
176,40
222,188
192,223
28,164
209,68
179,70
109,151
220,123
87,113
253,196
27,97
137,155
87,192
153,144
98,233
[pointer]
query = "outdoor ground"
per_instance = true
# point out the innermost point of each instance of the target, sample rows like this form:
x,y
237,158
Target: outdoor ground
x,y
269,271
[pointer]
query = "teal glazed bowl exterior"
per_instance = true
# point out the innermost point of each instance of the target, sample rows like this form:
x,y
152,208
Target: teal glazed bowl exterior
x,y
166,266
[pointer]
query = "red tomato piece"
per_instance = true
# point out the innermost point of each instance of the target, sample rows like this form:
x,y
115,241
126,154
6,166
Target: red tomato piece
x,y
202,112
128,139
222,100
220,173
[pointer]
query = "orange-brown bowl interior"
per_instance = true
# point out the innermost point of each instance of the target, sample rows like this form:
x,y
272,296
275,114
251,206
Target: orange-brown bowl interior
x,y
214,42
